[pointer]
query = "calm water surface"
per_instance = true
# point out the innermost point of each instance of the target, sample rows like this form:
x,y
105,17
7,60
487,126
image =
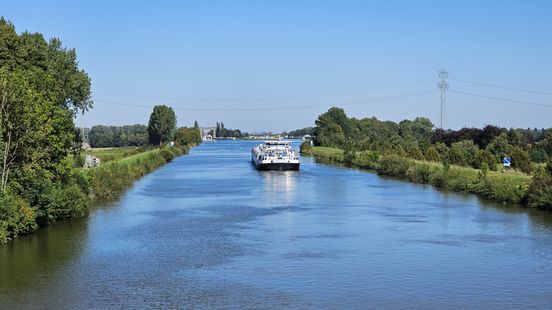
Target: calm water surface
x,y
207,230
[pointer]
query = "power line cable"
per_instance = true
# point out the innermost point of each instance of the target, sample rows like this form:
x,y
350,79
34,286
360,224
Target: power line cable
x,y
199,99
357,102
501,99
504,87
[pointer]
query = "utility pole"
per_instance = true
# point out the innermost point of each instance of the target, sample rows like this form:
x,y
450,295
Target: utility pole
x,y
443,86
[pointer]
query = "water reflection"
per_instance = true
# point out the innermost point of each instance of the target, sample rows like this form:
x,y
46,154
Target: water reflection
x,y
24,260
280,186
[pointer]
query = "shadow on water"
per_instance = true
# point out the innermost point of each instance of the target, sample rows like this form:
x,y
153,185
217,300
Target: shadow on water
x,y
31,257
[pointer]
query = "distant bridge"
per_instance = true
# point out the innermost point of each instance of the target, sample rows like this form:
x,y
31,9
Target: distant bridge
x,y
207,129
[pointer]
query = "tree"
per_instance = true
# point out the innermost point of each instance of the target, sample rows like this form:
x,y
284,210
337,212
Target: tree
x,y
41,90
521,160
500,146
222,129
331,128
161,125
196,125
484,158
114,136
540,190
187,136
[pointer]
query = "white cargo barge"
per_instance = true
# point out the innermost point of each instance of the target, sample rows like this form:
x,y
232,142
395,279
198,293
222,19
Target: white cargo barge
x,y
275,155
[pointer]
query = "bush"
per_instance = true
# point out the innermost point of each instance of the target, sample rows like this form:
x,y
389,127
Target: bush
x,y
66,202
419,173
432,154
393,165
16,217
367,159
461,179
506,189
485,159
167,154
521,160
305,146
540,191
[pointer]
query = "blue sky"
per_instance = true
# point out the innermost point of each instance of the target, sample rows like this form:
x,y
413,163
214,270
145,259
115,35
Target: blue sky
x,y
277,65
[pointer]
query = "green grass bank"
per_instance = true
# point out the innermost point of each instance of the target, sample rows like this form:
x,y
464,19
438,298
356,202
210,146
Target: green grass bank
x,y
508,187
111,178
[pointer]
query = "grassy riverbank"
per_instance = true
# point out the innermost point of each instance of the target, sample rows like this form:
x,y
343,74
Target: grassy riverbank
x,y
110,179
509,186
88,186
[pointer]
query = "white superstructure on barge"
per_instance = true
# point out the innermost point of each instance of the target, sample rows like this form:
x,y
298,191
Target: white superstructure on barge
x,y
275,155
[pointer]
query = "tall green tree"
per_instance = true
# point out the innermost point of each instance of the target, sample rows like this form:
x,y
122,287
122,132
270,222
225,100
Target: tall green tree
x,y
42,88
332,128
162,124
223,132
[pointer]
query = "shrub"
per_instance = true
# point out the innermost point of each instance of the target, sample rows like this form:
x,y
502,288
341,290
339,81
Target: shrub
x,y
66,202
419,172
506,189
393,165
432,154
16,217
484,158
305,146
461,179
540,190
414,151
367,159
521,160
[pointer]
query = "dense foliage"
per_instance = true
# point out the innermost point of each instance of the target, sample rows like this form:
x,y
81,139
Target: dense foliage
x,y
162,125
416,139
187,136
41,90
118,136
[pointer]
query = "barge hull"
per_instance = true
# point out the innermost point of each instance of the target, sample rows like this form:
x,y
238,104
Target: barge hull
x,y
276,166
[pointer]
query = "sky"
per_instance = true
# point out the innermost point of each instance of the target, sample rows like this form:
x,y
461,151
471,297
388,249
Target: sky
x,y
277,65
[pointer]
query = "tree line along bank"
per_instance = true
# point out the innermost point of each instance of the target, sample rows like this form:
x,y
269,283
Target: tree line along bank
x,y
468,159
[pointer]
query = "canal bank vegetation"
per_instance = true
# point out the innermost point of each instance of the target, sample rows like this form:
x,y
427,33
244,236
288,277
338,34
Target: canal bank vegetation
x,y
42,89
108,181
466,160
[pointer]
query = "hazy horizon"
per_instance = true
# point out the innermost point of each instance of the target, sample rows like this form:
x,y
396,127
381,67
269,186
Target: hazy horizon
x,y
261,66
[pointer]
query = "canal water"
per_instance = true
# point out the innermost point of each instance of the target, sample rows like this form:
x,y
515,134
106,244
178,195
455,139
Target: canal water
x,y
209,231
